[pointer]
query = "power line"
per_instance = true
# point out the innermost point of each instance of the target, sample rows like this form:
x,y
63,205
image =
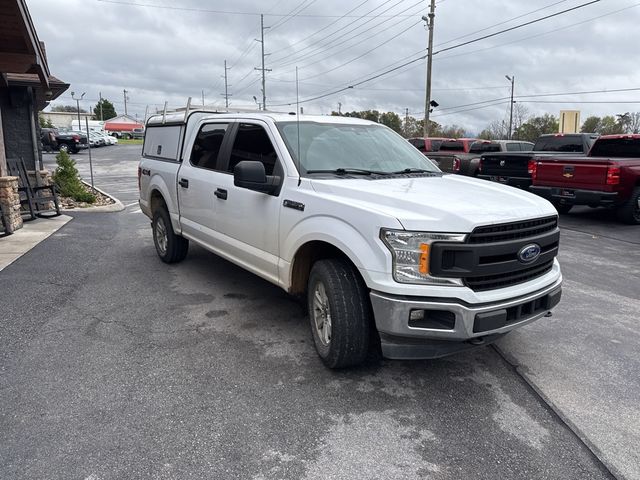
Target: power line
x,y
296,58
321,30
501,23
224,12
484,37
393,37
339,90
293,13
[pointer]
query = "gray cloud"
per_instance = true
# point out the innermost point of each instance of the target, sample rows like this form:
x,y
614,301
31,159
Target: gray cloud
x,y
163,55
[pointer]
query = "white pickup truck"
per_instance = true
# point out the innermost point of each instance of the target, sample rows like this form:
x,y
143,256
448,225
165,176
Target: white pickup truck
x,y
389,251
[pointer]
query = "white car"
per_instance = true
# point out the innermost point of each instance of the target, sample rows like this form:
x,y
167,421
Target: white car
x,y
389,251
108,139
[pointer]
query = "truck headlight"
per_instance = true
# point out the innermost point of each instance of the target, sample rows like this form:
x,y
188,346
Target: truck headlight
x,y
411,255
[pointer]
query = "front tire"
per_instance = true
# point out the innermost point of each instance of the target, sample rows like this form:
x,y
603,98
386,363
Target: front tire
x,y
63,147
339,313
629,212
171,248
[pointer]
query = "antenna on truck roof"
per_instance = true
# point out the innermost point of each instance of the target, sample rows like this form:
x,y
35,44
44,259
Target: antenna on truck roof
x,y
298,124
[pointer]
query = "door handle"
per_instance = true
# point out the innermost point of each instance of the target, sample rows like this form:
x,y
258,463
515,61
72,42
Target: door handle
x,y
221,194
184,183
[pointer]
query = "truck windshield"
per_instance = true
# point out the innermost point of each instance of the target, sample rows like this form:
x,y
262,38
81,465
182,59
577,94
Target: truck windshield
x,y
616,148
326,147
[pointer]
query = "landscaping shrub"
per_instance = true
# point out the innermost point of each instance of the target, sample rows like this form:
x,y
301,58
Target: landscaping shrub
x,y
68,182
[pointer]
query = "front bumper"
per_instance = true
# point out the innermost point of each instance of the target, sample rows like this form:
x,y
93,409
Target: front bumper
x,y
571,196
451,325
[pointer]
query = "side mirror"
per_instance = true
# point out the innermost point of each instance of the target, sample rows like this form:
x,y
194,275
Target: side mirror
x,y
251,175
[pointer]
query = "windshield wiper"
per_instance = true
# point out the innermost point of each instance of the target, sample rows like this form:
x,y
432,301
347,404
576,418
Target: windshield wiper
x,y
413,170
347,171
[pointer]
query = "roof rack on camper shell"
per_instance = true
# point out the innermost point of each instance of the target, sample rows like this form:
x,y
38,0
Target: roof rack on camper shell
x,y
180,114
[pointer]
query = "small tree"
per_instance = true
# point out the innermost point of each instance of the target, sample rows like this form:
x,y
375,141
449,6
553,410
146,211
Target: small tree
x,y
44,123
108,110
67,180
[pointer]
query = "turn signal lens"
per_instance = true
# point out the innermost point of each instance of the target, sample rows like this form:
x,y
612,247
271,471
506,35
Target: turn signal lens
x,y
424,258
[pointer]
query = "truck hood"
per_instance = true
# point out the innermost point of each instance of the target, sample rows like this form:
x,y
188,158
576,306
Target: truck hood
x,y
450,203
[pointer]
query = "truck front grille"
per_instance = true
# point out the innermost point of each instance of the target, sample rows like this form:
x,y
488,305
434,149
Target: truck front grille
x,y
512,231
489,259
491,282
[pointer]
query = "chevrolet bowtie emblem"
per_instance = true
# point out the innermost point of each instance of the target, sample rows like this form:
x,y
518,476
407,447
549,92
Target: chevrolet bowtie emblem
x,y
567,175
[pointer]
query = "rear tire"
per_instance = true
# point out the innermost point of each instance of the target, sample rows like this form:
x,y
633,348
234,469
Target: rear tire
x,y
63,147
171,248
629,212
563,208
339,313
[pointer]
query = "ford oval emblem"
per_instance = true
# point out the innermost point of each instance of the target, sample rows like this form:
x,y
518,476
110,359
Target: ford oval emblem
x,y
529,253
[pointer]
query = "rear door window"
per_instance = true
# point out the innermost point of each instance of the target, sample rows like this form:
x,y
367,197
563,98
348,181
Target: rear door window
x,y
206,148
513,147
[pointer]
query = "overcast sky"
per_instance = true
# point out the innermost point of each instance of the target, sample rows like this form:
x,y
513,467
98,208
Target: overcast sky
x,y
163,54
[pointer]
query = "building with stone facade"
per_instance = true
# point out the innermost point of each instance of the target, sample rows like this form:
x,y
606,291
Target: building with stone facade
x,y
26,87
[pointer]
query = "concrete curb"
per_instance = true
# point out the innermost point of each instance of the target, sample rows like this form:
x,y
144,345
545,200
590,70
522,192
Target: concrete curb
x,y
115,207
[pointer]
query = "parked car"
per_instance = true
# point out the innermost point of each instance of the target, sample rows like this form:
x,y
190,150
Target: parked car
x,y
513,168
609,176
390,252
53,139
427,144
468,163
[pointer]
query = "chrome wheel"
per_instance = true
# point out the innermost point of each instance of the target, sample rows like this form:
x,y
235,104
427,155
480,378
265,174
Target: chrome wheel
x,y
322,314
160,233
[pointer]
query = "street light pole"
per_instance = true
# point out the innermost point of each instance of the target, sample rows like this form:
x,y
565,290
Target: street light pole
x,y
427,101
78,109
512,79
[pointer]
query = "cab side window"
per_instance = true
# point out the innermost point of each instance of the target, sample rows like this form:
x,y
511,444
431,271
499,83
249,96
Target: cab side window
x,y
207,146
252,143
513,147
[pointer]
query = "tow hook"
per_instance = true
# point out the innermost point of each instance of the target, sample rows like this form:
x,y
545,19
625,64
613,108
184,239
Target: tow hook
x,y
476,341
548,314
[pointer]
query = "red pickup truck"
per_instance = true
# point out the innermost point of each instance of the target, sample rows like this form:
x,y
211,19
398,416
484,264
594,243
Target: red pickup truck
x,y
608,176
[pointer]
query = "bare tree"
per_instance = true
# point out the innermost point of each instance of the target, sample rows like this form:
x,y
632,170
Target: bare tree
x,y
630,122
520,115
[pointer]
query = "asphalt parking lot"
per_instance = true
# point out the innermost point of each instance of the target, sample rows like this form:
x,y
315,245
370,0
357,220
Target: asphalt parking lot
x,y
115,365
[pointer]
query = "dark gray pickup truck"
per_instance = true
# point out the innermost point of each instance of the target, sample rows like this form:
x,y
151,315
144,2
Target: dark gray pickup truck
x,y
514,168
467,163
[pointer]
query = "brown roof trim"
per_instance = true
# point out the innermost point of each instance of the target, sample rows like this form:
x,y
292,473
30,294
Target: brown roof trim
x,y
42,67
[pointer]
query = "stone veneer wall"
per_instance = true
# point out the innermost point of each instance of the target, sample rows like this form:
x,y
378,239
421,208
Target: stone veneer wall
x,y
10,204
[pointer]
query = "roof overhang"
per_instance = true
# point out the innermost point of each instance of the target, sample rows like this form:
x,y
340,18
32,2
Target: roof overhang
x,y
20,50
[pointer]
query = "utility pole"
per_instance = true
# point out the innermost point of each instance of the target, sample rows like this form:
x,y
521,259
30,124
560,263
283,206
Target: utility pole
x,y
339,108
226,84
427,101
512,79
264,70
125,101
202,98
101,116
406,122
